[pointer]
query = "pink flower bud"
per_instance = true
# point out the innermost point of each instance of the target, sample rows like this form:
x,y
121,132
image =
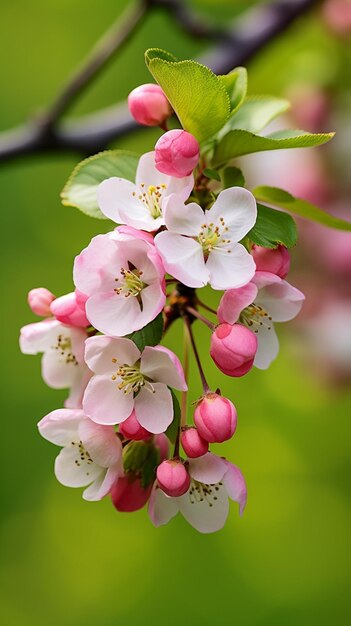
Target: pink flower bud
x,y
161,442
193,444
131,429
173,478
128,495
39,301
215,418
276,261
149,105
177,153
68,310
233,349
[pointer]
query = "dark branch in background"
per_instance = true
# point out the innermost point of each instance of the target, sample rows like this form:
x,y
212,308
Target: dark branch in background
x,y
91,133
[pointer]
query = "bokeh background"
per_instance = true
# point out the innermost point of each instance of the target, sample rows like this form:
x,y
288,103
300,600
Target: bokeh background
x,y
287,561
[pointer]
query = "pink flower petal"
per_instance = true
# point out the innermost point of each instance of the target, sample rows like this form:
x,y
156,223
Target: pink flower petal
x,y
39,336
235,485
147,174
234,301
105,403
154,409
162,365
61,426
102,443
105,354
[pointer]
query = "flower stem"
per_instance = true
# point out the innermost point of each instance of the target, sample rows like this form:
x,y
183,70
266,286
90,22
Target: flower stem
x,y
204,306
205,385
200,317
183,405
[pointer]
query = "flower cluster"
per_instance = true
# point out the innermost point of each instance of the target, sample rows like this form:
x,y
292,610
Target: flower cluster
x,y
122,432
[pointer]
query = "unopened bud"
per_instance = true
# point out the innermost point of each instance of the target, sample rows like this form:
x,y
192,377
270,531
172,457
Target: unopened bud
x,y
173,477
233,349
177,153
39,301
149,105
215,418
193,444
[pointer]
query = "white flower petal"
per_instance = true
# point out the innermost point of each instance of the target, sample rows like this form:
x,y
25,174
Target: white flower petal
x,y
161,508
154,409
183,258
105,403
61,426
184,219
39,336
101,352
87,274
235,485
58,371
208,468
281,300
267,347
103,484
162,365
72,470
206,515
102,443
237,206
230,269
147,174
114,314
118,194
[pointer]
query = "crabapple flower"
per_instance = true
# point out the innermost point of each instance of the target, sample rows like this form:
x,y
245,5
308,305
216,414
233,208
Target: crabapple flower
x,y
131,429
39,300
62,363
192,442
202,247
68,310
177,153
91,454
128,494
148,105
141,204
123,279
276,261
215,418
205,505
233,349
266,299
173,478
128,380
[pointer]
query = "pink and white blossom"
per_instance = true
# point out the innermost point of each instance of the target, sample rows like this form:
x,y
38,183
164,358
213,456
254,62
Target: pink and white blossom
x,y
202,247
205,506
266,299
128,380
91,454
122,276
141,204
177,153
62,364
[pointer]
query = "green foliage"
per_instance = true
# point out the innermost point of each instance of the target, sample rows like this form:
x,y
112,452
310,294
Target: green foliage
x,y
235,84
173,428
232,177
279,197
273,228
80,189
255,113
213,174
141,458
239,142
150,335
192,90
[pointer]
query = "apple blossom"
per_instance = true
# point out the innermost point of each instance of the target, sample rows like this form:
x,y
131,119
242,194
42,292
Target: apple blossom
x,y
131,429
215,418
177,153
149,105
202,247
39,300
233,349
68,310
127,379
128,494
205,505
123,279
192,442
173,478
266,299
141,204
276,260
91,454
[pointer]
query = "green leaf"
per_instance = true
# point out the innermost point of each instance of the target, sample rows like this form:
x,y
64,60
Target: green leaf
x,y
283,199
232,177
235,84
273,228
196,94
239,142
148,472
173,428
213,174
150,335
80,189
255,113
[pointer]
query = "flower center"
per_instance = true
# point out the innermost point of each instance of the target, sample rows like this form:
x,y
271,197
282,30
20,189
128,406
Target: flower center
x,y
255,316
200,492
130,378
152,198
83,456
131,283
212,236
64,349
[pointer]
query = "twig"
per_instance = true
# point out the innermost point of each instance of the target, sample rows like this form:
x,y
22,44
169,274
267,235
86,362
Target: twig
x,y
205,386
200,317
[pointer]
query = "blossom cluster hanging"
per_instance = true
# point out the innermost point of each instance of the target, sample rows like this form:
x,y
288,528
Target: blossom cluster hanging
x,y
183,219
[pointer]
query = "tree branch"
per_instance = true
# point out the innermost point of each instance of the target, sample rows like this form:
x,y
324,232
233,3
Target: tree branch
x,y
91,133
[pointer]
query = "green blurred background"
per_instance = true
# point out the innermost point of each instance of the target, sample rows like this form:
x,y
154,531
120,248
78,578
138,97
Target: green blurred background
x,y
66,561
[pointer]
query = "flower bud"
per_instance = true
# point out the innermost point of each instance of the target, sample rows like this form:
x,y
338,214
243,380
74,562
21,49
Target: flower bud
x,y
233,349
193,444
131,429
276,261
149,105
128,495
161,442
173,478
68,310
39,301
215,418
177,153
